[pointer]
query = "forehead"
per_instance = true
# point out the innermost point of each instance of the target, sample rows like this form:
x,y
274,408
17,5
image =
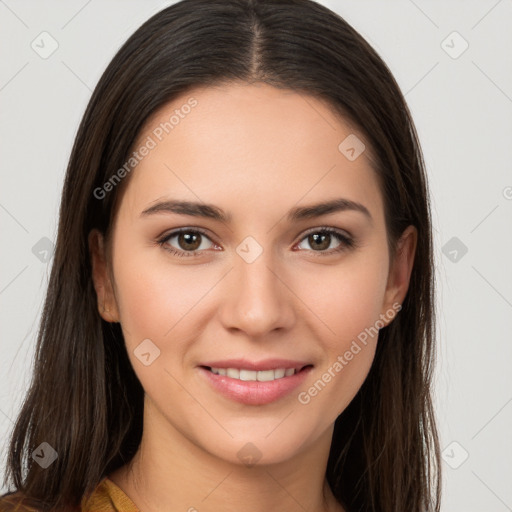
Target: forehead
x,y
253,145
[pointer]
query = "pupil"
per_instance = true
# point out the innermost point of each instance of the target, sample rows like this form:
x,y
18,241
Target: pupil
x,y
322,238
189,241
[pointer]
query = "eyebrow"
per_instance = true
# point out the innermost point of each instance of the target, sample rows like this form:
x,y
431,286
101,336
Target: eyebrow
x,y
211,211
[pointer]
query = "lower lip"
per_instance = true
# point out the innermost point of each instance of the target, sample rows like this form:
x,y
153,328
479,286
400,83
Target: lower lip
x,y
255,392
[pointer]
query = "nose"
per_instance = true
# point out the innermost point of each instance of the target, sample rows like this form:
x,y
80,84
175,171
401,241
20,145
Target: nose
x,y
257,299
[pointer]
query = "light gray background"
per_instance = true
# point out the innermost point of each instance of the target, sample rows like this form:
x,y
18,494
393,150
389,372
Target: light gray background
x,y
463,110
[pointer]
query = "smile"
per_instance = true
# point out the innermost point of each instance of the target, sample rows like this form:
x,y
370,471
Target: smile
x,y
251,375
254,387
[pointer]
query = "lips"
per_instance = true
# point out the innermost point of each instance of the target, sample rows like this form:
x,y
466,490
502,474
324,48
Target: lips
x,y
267,364
245,387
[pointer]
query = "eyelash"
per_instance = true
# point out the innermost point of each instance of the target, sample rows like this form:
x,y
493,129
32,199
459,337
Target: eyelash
x,y
346,242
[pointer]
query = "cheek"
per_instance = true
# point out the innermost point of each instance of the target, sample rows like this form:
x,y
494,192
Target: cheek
x,y
153,297
347,301
337,383
346,298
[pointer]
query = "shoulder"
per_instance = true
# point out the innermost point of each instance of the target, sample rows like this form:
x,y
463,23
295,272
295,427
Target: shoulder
x,y
108,497
15,502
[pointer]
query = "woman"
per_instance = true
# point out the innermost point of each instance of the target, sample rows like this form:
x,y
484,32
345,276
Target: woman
x,y
241,306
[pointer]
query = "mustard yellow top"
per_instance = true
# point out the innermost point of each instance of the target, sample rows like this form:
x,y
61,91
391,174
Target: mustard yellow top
x,y
107,497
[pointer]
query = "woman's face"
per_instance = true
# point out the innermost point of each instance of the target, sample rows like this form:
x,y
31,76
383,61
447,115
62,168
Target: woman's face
x,y
253,282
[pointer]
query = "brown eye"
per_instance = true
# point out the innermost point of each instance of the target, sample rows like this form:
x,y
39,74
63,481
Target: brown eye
x,y
189,241
319,241
186,242
326,240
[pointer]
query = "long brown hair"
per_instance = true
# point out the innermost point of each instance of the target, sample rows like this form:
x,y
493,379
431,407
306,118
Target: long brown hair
x,y
85,399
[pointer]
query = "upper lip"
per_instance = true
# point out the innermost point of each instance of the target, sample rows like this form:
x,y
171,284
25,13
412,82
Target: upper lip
x,y
265,364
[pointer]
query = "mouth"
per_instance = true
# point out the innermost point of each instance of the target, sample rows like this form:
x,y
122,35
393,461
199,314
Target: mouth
x,y
255,386
256,375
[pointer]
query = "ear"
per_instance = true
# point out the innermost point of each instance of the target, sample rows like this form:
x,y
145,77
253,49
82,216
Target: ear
x,y
107,305
400,271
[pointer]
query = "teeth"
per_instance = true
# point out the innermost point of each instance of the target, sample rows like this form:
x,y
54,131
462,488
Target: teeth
x,y
233,373
267,375
251,375
248,375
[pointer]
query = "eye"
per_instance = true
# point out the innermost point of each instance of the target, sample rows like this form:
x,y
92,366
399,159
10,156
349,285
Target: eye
x,y
191,242
321,239
186,242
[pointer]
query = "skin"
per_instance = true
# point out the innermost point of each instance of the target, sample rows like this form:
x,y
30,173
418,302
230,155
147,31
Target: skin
x,y
256,152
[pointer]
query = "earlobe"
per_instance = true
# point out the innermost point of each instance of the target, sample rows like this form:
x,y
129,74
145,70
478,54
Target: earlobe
x,y
107,306
401,269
